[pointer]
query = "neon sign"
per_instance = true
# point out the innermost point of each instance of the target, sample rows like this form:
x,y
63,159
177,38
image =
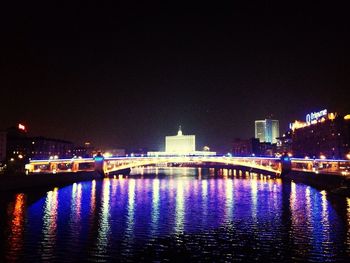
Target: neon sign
x,y
314,116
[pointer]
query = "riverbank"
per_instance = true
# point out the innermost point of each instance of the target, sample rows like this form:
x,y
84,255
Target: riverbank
x,y
337,184
22,182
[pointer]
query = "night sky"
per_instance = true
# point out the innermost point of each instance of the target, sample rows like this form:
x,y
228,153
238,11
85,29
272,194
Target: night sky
x,y
128,75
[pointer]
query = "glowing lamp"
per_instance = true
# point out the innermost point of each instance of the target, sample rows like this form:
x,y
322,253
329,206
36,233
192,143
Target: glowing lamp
x,y
21,127
107,155
331,116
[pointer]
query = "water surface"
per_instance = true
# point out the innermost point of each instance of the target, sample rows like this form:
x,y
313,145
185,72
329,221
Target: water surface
x,y
174,214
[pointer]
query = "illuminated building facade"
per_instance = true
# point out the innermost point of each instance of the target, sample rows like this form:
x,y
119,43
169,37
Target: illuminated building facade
x,y
267,130
180,143
327,136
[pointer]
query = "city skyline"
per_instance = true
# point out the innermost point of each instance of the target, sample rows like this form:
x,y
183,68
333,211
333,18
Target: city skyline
x,y
151,132
123,76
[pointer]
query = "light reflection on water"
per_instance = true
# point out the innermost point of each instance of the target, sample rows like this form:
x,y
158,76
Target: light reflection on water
x,y
180,207
16,217
49,230
348,221
155,205
193,211
104,223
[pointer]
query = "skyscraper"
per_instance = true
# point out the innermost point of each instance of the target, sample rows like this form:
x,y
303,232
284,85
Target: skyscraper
x,y
267,130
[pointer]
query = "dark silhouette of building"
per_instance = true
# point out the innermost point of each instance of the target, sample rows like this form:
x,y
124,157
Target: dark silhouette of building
x,y
45,148
284,143
252,147
20,147
267,149
245,147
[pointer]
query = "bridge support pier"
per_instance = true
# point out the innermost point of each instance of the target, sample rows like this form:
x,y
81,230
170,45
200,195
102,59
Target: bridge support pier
x,y
99,165
286,165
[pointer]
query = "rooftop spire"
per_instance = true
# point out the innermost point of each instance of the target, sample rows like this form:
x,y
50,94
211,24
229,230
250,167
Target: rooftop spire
x,y
179,133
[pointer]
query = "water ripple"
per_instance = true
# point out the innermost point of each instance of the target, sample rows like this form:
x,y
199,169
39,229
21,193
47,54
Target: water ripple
x,y
187,214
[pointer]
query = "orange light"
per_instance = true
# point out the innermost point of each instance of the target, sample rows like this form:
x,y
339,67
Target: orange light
x,y
332,116
298,124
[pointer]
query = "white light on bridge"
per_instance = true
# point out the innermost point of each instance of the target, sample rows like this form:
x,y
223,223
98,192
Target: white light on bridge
x,y
107,155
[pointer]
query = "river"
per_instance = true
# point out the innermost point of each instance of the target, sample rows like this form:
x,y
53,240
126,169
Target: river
x,y
176,214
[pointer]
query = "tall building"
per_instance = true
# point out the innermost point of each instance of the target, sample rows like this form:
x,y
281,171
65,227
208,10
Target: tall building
x,y
267,130
180,143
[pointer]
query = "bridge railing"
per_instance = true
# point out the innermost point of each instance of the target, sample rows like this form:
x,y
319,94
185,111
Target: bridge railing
x,y
118,163
60,165
325,166
268,164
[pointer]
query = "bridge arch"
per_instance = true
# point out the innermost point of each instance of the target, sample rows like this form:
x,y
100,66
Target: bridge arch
x,y
271,165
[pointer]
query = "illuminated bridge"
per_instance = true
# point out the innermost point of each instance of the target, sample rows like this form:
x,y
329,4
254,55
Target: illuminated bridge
x,y
114,165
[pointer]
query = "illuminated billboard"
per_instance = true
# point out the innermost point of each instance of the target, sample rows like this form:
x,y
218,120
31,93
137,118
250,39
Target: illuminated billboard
x,y
315,116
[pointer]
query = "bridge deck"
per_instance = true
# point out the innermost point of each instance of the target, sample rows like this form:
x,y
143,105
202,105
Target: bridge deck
x,y
114,164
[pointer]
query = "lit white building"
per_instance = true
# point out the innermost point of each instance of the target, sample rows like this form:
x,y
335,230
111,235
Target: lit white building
x,y
267,130
181,145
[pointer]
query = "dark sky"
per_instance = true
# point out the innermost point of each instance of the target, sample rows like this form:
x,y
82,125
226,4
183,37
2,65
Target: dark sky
x,y
127,75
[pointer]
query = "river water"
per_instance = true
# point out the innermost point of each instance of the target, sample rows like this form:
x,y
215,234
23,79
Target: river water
x,y
176,214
